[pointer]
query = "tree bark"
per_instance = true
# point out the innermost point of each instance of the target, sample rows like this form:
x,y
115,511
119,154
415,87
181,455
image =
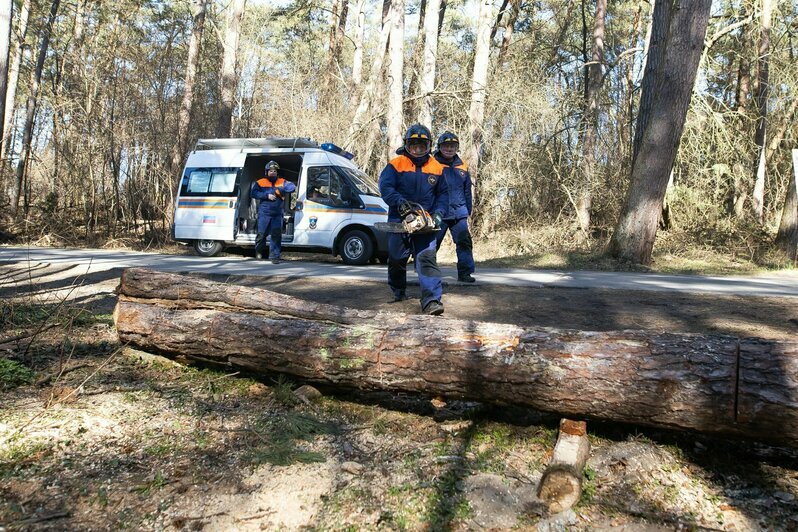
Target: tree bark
x,y
30,108
708,383
228,76
396,51
198,8
652,57
671,88
594,74
762,90
430,58
479,82
787,237
13,78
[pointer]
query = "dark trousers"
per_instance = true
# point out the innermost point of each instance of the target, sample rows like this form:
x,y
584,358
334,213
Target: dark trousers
x,y
273,227
462,242
422,247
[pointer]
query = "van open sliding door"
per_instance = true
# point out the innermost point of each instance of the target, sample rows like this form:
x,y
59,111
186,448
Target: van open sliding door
x,y
254,169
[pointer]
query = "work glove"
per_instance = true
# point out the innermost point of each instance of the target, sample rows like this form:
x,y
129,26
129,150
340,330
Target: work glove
x,y
437,219
405,208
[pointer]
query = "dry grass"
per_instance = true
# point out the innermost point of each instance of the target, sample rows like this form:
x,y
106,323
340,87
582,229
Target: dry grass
x,y
552,247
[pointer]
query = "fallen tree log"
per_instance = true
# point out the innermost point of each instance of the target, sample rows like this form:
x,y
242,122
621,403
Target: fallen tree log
x,y
699,382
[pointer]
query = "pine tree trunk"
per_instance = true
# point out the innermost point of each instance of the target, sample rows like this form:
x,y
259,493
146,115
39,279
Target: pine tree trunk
x,y
762,90
594,74
787,237
507,36
30,108
430,58
329,83
743,89
198,8
13,79
360,125
697,382
228,77
396,50
479,83
5,47
671,89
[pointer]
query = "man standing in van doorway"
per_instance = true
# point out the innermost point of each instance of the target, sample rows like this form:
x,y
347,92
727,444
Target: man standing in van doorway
x,y
414,176
460,205
270,190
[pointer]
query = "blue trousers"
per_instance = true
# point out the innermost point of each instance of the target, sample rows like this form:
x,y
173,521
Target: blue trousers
x,y
462,242
273,227
422,247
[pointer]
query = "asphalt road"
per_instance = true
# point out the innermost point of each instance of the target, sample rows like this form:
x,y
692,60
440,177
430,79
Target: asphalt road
x,y
93,260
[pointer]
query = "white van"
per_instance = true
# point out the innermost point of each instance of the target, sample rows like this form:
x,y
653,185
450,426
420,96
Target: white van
x,y
333,209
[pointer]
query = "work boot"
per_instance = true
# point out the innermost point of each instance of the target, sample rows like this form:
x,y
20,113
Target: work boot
x,y
276,261
466,278
434,308
401,296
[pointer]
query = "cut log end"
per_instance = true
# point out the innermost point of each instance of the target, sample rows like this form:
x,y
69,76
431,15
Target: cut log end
x,y
560,487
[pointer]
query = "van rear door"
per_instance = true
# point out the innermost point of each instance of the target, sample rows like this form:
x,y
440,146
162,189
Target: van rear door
x,y
208,196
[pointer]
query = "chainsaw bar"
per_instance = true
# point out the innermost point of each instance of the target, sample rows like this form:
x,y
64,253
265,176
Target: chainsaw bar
x,y
398,227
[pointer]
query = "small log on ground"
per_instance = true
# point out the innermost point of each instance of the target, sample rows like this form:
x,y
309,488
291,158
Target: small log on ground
x,y
708,383
561,483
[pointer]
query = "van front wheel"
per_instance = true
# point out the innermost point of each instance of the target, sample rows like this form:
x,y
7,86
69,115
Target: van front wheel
x,y
356,248
207,248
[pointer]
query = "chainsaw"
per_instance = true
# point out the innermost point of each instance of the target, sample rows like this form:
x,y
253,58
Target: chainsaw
x,y
415,220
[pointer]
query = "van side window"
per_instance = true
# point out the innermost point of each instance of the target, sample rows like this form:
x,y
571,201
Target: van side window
x,y
324,187
209,182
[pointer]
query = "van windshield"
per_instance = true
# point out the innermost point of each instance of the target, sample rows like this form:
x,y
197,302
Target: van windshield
x,y
361,181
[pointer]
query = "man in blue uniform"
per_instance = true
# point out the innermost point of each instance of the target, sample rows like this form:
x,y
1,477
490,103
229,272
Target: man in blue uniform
x,y
455,219
271,191
415,176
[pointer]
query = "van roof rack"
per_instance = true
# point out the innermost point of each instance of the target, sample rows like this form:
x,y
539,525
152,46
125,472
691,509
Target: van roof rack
x,y
266,142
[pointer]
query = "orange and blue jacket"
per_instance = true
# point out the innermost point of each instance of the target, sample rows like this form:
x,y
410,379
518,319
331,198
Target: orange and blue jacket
x,y
423,183
261,190
459,181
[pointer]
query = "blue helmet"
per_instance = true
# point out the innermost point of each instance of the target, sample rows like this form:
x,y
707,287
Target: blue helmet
x,y
272,165
418,132
447,136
